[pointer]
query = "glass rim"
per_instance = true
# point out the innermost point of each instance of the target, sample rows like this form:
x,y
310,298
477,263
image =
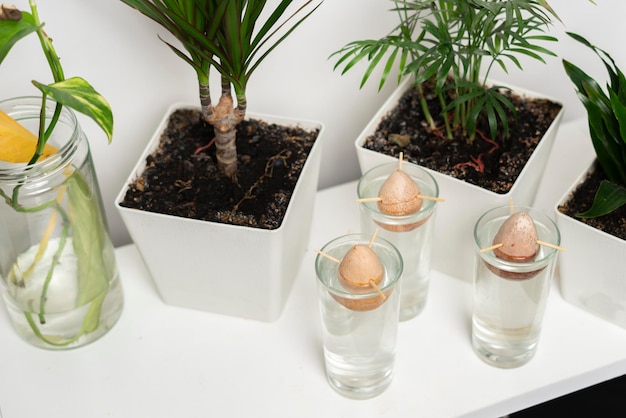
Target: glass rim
x,y
428,206
353,239
31,105
545,219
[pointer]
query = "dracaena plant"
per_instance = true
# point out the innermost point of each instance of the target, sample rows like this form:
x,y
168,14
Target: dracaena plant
x,y
232,37
455,44
606,115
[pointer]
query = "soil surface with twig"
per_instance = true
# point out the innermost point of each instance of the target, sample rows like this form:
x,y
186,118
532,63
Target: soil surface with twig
x,y
581,200
491,163
181,177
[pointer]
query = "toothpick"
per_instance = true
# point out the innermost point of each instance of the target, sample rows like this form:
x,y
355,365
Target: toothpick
x,y
400,159
493,247
511,207
553,246
373,238
375,286
369,199
436,199
330,257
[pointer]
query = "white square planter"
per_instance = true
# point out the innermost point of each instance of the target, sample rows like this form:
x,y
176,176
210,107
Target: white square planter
x,y
465,202
226,269
593,269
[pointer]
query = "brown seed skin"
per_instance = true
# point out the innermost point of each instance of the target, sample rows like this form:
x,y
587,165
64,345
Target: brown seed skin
x,y
518,234
358,267
398,195
362,305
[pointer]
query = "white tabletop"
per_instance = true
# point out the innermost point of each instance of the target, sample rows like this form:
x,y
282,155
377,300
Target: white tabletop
x,y
164,361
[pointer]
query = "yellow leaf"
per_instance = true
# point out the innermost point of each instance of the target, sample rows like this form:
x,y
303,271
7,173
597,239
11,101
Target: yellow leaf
x,y
18,144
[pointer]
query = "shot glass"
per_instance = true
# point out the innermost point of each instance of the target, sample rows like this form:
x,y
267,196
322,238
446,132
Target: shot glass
x,y
411,234
359,328
510,297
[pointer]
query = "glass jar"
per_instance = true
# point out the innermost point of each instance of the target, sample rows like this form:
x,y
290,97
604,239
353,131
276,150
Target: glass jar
x,y
59,278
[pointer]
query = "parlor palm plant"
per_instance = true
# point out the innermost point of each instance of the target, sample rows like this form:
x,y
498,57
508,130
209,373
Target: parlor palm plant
x,y
454,44
231,37
484,143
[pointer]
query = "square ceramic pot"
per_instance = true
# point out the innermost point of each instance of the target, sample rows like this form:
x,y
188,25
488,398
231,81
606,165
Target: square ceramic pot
x,y
221,268
593,269
464,202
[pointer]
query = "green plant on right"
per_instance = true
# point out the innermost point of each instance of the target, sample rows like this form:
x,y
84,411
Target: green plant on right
x,y
455,44
606,114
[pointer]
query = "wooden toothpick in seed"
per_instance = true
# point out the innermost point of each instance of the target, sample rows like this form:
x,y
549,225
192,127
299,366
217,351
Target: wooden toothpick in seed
x,y
400,159
492,247
330,257
553,246
436,199
511,206
373,238
375,286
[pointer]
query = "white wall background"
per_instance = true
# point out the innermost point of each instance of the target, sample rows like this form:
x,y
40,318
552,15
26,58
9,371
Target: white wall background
x,y
117,50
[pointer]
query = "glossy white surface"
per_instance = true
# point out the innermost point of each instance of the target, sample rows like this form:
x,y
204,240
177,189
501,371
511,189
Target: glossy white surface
x,y
163,361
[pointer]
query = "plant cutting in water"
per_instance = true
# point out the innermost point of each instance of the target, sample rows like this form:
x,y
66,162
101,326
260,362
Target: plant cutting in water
x,y
607,126
230,37
20,148
454,45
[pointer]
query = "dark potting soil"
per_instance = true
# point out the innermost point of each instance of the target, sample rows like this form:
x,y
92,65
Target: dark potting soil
x,y
581,200
179,180
491,163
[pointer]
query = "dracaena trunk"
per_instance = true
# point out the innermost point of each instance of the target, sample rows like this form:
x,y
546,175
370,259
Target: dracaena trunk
x,y
224,120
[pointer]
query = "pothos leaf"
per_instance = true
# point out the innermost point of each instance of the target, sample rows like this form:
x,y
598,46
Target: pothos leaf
x,y
79,95
89,242
11,31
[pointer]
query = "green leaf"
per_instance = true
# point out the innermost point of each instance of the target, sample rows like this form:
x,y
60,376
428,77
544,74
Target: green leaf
x,y
79,95
11,31
609,197
90,243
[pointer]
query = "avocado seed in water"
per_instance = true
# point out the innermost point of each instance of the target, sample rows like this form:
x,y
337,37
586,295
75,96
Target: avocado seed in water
x,y
518,236
399,195
360,271
359,267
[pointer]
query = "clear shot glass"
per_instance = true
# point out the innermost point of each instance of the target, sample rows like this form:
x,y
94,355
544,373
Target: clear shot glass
x,y
359,328
411,234
510,297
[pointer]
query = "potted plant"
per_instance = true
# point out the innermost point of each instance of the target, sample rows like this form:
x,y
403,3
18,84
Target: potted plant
x,y
591,214
60,282
484,142
219,255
